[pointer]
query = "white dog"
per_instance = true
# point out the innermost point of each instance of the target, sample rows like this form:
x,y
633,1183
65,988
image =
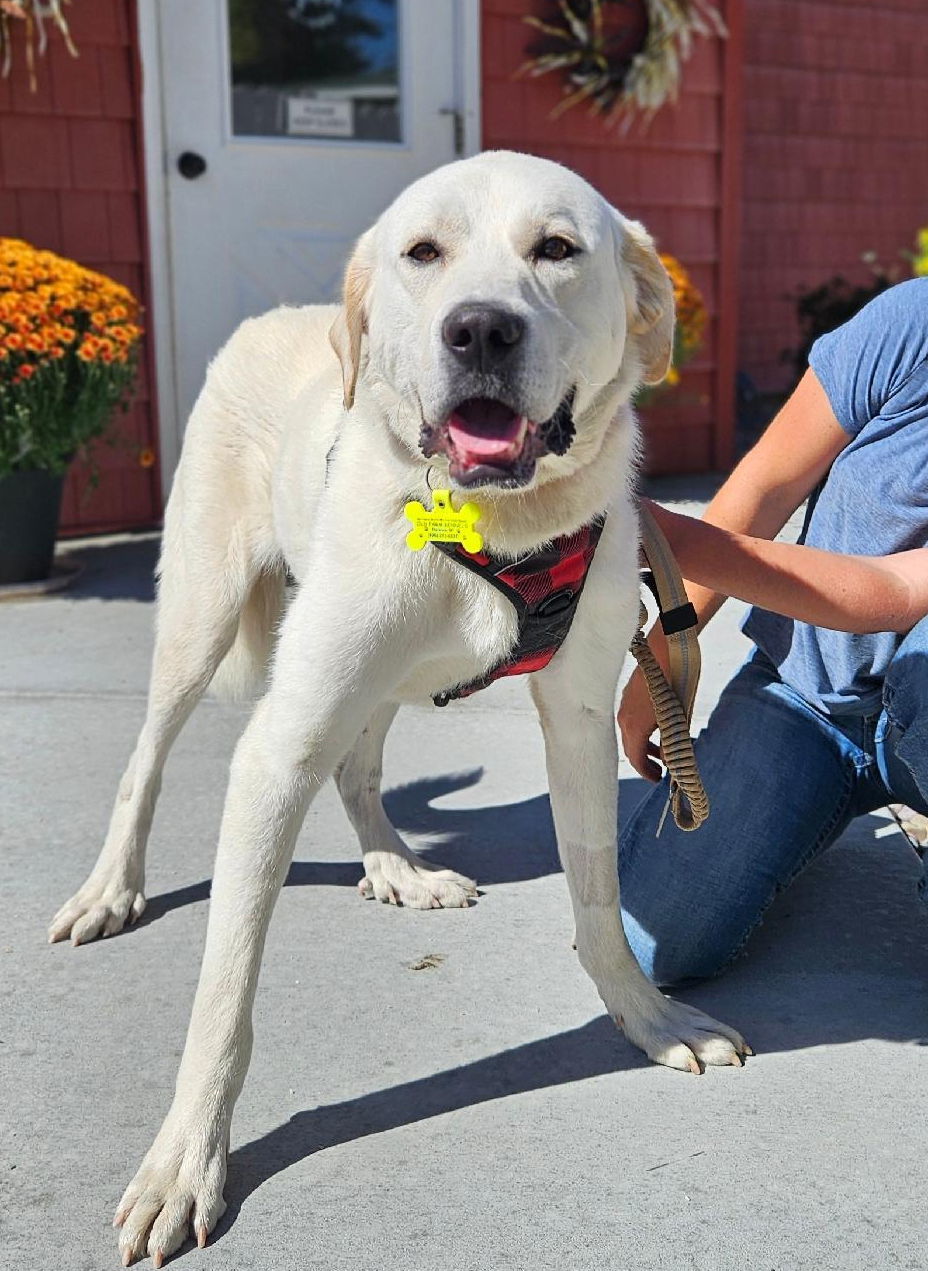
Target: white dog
x,y
497,320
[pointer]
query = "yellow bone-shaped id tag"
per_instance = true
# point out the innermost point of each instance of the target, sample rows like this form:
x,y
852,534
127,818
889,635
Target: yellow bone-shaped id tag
x,y
443,524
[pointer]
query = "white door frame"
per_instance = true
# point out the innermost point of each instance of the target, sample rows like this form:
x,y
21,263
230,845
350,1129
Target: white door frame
x,y
161,282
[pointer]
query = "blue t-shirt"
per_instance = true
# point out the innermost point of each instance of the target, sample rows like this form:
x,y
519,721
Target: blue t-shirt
x,y
874,370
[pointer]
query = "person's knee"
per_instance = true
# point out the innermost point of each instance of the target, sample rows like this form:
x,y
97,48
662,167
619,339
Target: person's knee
x,y
670,958
781,782
680,925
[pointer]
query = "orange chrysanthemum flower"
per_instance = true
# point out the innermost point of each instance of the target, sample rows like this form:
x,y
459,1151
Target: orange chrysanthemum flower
x,y
69,338
691,309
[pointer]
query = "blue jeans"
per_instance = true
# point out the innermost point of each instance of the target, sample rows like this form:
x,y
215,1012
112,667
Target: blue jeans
x,y
784,781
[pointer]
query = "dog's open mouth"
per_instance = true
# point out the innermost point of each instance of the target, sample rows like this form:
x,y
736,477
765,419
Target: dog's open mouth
x,y
489,443
485,437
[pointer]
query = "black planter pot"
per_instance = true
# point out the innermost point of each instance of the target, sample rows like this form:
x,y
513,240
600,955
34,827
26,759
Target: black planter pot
x,y
30,505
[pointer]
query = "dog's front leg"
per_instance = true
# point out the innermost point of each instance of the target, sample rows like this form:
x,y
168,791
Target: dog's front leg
x,y
582,759
314,709
180,1182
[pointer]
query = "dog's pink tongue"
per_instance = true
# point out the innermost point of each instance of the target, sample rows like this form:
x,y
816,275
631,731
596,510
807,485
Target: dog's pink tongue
x,y
484,431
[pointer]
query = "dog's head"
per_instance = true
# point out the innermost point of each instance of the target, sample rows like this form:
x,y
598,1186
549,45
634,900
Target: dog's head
x,y
501,309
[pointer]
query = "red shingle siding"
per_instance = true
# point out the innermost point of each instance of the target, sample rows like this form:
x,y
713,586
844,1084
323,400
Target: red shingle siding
x,y
836,155
669,176
71,181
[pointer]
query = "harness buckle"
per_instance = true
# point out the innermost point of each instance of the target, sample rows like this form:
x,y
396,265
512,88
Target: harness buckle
x,y
557,602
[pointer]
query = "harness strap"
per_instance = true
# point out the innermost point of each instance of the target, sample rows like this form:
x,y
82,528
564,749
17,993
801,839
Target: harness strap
x,y
544,588
673,702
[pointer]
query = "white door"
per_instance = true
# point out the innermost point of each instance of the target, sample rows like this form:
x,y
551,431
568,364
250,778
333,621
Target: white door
x,y
289,125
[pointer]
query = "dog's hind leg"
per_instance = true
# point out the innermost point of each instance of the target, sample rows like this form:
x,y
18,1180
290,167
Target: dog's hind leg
x,y
204,588
392,873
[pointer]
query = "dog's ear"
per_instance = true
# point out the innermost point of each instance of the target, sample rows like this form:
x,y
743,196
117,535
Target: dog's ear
x,y
651,319
351,321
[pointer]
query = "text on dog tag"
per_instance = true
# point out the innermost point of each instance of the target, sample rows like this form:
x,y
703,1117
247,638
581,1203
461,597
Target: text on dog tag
x,y
443,524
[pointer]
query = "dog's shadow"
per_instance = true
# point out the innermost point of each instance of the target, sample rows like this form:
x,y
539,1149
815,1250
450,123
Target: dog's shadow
x,y
509,844
841,957
853,916
589,1051
493,845
114,571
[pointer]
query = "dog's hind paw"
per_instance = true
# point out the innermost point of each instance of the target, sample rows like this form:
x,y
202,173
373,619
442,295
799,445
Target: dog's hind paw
x,y
415,884
97,909
681,1036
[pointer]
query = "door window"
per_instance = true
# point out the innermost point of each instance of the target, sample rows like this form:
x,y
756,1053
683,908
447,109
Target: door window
x,y
315,68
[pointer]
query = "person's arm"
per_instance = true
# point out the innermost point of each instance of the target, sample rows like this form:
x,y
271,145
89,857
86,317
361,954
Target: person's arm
x,y
759,497
774,478
846,593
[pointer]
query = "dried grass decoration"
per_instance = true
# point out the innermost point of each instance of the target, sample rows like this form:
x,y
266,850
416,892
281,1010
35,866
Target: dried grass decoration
x,y
623,57
34,13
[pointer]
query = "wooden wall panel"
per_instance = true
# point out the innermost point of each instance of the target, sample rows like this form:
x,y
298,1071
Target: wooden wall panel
x,y
836,155
71,181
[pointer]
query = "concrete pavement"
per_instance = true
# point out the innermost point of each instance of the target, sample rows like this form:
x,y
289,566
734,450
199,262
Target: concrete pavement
x,y
431,1090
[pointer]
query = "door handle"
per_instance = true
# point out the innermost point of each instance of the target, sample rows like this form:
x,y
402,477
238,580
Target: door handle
x,y
191,165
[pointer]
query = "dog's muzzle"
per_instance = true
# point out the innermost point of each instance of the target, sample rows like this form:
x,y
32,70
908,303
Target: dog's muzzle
x,y
488,442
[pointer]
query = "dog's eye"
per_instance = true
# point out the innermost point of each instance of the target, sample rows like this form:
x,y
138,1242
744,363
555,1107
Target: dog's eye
x,y
424,253
555,248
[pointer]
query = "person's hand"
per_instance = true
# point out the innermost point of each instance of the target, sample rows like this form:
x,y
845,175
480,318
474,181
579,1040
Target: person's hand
x,y
636,719
637,724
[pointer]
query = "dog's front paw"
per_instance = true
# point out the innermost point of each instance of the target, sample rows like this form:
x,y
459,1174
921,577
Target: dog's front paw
x,y
177,1190
680,1036
101,907
395,880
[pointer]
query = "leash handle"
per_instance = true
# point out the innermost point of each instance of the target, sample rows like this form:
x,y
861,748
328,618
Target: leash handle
x,y
673,701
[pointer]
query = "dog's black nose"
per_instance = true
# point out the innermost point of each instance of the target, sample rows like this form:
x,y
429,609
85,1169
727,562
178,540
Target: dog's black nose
x,y
480,336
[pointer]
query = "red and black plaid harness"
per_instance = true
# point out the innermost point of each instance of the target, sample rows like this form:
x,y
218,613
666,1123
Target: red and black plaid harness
x,y
544,588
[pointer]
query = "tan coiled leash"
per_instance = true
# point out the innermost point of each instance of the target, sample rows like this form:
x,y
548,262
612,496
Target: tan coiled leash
x,y
673,702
